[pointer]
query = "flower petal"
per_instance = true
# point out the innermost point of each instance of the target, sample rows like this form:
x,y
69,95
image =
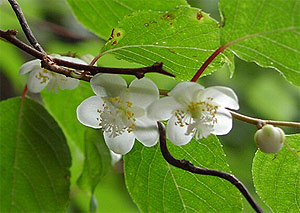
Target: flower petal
x,y
121,144
146,131
71,59
176,134
163,108
184,91
38,80
224,122
30,66
224,96
108,85
115,158
143,92
87,112
65,82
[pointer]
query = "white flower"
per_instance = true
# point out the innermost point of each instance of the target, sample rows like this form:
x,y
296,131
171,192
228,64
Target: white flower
x,y
39,78
120,111
195,111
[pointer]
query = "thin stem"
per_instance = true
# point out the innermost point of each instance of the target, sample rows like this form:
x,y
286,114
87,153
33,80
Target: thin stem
x,y
10,36
260,122
22,20
24,93
95,59
186,165
208,61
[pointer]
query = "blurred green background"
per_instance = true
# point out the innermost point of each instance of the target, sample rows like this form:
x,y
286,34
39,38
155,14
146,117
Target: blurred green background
x,y
262,92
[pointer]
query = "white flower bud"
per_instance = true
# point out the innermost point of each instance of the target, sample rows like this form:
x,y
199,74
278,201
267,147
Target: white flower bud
x,y
269,139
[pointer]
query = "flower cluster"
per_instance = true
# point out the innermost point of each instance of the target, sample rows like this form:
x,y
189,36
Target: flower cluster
x,y
128,113
39,78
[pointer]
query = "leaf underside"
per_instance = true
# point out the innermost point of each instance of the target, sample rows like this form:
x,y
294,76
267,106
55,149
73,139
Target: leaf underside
x,y
269,32
277,178
182,39
34,159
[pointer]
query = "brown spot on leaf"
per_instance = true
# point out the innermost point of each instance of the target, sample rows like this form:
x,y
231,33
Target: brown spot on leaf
x,y
118,34
115,42
112,34
199,15
168,17
172,51
171,23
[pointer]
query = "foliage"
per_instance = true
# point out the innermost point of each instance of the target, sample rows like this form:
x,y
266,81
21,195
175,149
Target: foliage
x,y
34,161
276,178
37,141
156,186
269,33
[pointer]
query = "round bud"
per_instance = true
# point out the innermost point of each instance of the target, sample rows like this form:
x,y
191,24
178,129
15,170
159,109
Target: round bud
x,y
269,139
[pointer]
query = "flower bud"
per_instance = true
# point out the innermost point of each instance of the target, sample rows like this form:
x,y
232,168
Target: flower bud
x,y
269,139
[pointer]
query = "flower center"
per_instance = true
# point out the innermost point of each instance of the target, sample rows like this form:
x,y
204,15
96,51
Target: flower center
x,y
43,78
199,116
117,116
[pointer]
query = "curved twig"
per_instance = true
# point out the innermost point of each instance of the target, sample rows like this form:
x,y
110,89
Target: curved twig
x,y
26,29
186,165
10,36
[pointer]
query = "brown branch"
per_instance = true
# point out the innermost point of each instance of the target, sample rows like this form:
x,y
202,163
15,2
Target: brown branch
x,y
10,36
186,165
48,64
260,122
26,29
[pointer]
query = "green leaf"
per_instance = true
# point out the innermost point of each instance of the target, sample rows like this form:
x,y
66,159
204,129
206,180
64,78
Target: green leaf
x,y
277,178
97,160
266,32
156,186
101,16
182,38
34,159
62,106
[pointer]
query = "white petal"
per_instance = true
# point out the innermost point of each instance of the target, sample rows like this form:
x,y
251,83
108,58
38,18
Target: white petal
x,y
108,85
87,111
71,59
64,82
146,131
224,96
121,144
163,108
29,66
115,158
184,91
224,122
143,92
38,80
176,134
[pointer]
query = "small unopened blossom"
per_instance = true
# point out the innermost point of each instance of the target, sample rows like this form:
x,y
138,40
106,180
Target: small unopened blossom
x,y
120,111
269,139
193,110
39,78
